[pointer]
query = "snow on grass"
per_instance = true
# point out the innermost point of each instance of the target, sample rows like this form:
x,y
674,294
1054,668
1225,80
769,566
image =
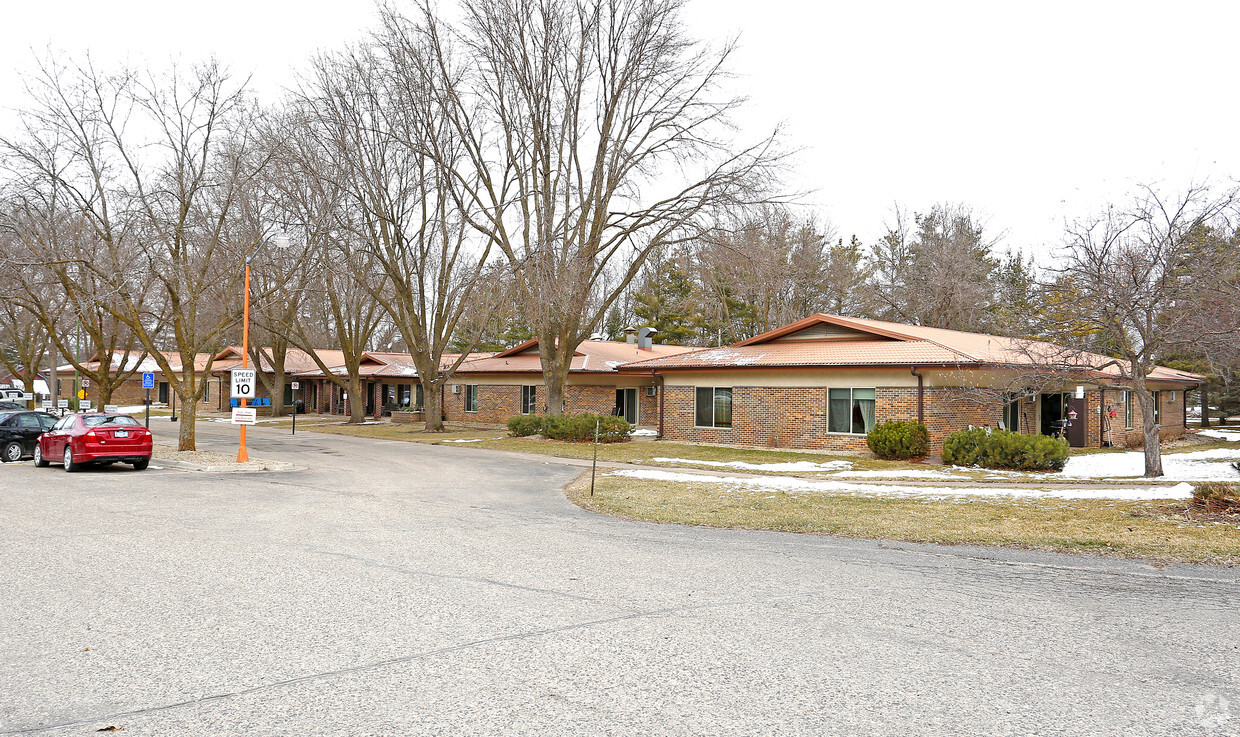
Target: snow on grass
x,y
1233,436
806,486
912,473
645,433
771,467
474,440
1201,465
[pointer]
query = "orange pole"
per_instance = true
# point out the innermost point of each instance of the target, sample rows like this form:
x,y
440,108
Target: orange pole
x,y
242,455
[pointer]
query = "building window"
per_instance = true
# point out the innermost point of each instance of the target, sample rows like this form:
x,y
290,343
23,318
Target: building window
x,y
850,411
471,397
1127,410
1011,413
206,390
529,400
1157,408
713,407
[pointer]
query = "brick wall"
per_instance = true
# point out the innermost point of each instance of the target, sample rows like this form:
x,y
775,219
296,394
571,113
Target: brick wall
x,y
1171,422
498,402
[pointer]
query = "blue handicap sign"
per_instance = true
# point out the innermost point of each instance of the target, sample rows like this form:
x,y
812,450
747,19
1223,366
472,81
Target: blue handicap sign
x,y
234,403
148,381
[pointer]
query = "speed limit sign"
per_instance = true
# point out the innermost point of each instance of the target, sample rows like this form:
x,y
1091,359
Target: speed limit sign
x,y
243,383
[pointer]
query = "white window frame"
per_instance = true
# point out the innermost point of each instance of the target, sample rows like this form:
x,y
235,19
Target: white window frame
x,y
471,397
850,389
529,399
713,389
1127,410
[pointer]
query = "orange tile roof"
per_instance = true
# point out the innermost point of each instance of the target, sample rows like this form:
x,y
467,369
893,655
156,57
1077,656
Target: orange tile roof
x,y
855,341
591,356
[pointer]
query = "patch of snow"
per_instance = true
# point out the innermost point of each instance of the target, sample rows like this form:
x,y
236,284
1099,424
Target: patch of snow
x,y
1233,437
912,473
724,355
806,486
1201,465
645,433
478,440
130,409
773,467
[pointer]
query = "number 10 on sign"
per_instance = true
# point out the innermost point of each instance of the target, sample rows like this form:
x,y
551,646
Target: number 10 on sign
x,y
243,383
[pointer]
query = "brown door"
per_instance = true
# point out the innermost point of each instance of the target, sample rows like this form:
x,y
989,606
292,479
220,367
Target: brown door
x,y
1076,430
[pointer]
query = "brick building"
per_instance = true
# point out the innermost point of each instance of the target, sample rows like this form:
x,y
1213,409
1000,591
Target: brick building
x,y
825,381
490,389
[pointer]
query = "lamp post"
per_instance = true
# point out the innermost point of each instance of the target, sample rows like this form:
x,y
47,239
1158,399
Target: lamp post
x,y
281,241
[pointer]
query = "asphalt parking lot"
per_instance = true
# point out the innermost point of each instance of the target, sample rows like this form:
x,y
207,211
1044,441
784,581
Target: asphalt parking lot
x,y
398,589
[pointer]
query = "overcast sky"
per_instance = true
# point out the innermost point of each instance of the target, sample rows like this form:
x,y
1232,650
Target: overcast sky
x,y
1029,112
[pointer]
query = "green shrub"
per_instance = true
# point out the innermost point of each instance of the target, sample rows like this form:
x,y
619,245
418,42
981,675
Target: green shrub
x,y
964,447
524,425
980,446
580,428
895,440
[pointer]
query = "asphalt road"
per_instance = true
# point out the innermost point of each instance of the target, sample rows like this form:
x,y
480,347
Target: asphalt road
x,y
396,589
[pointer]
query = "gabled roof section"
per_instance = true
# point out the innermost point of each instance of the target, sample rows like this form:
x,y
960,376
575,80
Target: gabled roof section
x,y
530,346
836,341
591,356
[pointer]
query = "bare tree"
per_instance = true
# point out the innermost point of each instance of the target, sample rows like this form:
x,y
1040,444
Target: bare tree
x,y
593,137
155,164
1124,273
394,156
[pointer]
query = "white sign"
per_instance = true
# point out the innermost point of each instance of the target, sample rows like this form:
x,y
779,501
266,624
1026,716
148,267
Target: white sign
x,y
1080,392
47,404
244,415
28,397
111,408
85,383
243,383
62,403
84,405
295,385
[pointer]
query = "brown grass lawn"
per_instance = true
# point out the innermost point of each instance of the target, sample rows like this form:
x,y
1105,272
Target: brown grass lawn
x,y
1145,530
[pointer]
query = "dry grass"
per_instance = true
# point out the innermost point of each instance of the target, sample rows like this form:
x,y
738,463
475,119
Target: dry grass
x,y
1144,530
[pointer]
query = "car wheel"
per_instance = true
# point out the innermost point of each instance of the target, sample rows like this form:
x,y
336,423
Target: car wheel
x,y
142,464
70,466
12,452
39,460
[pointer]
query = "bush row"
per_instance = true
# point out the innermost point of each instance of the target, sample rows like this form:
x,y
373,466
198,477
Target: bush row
x,y
576,428
981,446
894,440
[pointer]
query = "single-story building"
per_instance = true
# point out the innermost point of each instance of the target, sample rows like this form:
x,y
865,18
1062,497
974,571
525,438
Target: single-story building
x,y
492,388
130,391
825,381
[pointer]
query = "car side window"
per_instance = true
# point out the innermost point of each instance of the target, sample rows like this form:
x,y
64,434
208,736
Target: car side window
x,y
65,422
28,421
47,421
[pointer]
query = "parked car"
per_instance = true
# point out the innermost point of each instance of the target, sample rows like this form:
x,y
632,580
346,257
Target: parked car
x,y
19,433
96,437
12,406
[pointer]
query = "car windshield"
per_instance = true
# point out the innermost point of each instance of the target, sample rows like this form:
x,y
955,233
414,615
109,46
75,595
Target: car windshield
x,y
101,420
4,416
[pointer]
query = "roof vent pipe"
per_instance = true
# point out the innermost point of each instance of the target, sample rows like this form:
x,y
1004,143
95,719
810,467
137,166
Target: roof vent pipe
x,y
644,341
630,335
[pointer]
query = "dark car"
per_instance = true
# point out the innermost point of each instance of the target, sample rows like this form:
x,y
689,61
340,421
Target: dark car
x,y
19,433
97,437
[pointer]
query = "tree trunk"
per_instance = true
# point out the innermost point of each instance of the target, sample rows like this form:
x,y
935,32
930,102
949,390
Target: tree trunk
x,y
357,407
105,394
1153,443
555,376
189,416
432,406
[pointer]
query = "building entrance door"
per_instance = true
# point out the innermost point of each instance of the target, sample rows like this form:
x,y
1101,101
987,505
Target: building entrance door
x,y
626,404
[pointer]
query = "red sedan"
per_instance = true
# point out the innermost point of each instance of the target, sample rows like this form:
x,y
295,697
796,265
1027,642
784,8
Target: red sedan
x,y
102,438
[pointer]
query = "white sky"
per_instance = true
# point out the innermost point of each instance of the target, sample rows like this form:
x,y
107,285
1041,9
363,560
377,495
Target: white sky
x,y
1029,112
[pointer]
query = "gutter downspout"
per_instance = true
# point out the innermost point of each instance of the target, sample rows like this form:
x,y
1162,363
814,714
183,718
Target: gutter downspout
x,y
654,376
921,396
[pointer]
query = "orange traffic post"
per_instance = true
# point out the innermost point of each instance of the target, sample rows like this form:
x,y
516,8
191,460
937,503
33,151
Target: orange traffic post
x,y
242,455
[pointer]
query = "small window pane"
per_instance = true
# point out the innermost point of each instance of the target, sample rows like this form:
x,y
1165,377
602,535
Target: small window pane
x,y
704,414
838,410
723,408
